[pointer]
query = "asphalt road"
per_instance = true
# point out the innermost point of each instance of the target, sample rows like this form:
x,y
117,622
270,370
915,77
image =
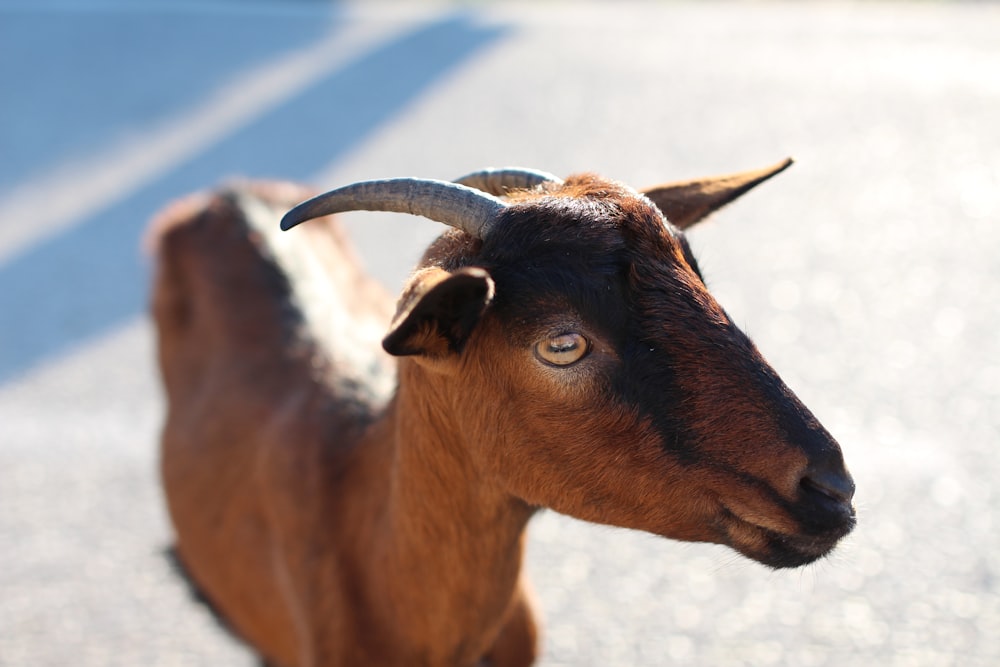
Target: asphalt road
x,y
869,275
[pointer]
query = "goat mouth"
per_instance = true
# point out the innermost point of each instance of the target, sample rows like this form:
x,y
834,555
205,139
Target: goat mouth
x,y
779,549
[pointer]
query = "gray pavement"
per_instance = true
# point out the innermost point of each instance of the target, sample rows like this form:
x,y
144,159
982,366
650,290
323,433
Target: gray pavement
x,y
869,275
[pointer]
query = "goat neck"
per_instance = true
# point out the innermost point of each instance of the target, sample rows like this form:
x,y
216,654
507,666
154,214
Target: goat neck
x,y
449,543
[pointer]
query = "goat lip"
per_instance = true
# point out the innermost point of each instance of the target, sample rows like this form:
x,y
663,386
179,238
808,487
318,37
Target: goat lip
x,y
817,501
779,549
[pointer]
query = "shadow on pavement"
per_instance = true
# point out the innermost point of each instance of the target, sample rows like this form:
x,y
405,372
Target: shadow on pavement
x,y
99,76
74,287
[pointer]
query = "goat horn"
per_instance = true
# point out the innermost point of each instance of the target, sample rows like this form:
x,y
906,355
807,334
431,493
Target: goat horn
x,y
498,181
459,206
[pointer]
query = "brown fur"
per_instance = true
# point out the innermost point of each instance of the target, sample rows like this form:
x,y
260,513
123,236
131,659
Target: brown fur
x,y
333,524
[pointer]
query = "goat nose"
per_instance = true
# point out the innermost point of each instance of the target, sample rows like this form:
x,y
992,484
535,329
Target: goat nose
x,y
831,479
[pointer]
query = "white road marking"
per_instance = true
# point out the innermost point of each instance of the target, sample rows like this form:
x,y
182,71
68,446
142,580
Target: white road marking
x,y
74,191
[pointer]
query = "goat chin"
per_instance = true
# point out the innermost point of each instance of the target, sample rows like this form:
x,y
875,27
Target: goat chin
x,y
339,502
779,550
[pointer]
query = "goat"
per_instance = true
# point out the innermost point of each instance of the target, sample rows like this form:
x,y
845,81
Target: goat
x,y
557,348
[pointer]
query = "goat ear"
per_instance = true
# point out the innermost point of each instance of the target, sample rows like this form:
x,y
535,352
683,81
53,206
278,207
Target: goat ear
x,y
687,202
438,311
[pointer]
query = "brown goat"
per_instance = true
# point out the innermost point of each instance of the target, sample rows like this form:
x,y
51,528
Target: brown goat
x,y
562,351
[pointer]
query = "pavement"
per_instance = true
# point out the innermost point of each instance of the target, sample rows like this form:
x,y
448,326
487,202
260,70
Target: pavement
x,y
869,275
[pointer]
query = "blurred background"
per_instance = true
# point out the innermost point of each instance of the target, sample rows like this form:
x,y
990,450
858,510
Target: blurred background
x,y
869,275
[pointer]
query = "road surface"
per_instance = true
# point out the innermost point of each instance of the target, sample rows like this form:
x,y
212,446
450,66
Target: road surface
x,y
869,275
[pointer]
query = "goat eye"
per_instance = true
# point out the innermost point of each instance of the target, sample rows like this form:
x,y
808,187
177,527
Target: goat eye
x,y
562,350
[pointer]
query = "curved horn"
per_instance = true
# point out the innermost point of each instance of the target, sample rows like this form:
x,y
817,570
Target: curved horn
x,y
499,181
459,206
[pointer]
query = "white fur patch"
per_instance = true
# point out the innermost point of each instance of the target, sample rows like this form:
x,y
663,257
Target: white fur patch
x,y
351,341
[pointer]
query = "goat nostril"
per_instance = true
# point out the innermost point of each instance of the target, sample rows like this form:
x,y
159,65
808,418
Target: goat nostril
x,y
838,485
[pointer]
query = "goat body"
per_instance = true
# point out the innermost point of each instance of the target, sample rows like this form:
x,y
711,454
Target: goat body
x,y
340,507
